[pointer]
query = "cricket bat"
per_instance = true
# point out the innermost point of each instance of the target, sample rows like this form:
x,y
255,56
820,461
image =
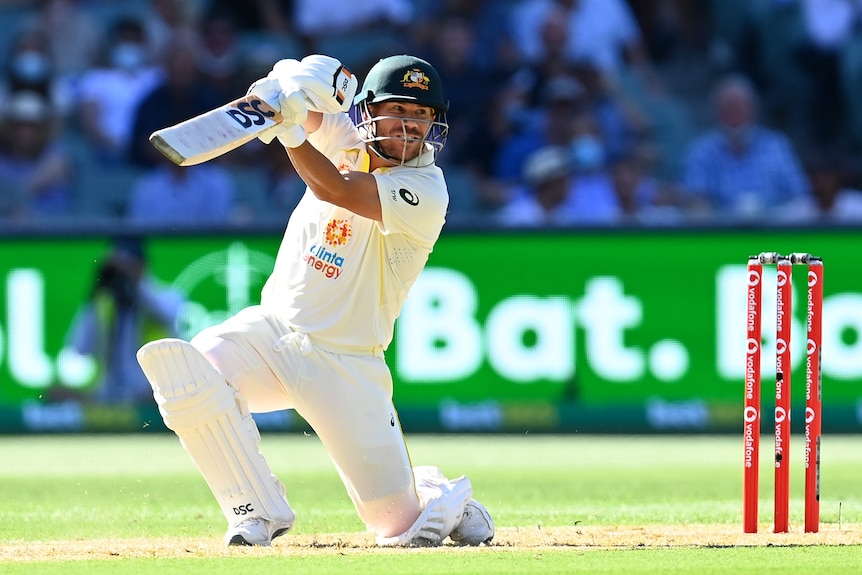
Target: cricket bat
x,y
216,132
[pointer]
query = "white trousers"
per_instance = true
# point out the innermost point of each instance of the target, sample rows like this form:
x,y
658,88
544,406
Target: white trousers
x,y
346,398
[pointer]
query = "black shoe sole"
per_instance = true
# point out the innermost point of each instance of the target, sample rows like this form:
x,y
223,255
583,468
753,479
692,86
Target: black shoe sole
x,y
239,540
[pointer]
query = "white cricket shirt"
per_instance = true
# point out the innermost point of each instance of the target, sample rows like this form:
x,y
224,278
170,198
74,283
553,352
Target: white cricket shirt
x,y
342,278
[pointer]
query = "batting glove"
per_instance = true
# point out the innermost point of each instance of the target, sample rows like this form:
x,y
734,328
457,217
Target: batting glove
x,y
290,103
327,85
290,135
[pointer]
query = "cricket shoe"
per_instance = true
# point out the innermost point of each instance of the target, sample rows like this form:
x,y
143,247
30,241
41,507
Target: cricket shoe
x,y
476,526
256,531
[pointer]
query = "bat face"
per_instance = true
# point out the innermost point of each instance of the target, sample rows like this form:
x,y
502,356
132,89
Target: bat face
x,y
216,132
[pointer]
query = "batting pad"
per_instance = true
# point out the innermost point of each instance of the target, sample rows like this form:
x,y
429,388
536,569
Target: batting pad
x,y
216,429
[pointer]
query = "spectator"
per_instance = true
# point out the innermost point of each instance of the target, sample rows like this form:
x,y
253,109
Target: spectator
x,y
182,94
834,198
623,124
740,167
469,86
220,60
642,198
579,185
358,36
126,306
593,199
829,27
36,172
602,32
73,34
30,67
555,62
492,48
174,196
501,119
162,19
552,124
109,95
316,18
544,199
274,17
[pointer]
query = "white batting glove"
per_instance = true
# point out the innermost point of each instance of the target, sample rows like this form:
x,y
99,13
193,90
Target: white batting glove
x,y
290,103
287,98
290,135
328,86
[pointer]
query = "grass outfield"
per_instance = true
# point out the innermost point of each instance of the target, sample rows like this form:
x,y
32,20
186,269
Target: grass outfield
x,y
562,504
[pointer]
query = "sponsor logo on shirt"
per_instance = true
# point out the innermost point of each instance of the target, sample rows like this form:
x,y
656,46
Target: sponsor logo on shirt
x,y
406,195
322,258
326,262
337,232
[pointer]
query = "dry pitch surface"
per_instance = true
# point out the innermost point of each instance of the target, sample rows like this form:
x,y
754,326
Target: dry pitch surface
x,y
578,538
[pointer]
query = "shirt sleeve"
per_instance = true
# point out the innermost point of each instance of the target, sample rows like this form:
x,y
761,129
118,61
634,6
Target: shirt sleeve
x,y
414,202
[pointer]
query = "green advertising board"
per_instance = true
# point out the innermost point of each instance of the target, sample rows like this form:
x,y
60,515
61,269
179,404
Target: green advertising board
x,y
589,330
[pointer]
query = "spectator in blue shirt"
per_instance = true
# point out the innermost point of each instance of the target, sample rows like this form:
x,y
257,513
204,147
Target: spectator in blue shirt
x,y
741,168
176,196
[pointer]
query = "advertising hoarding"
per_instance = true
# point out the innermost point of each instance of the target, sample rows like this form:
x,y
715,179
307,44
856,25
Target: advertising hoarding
x,y
587,330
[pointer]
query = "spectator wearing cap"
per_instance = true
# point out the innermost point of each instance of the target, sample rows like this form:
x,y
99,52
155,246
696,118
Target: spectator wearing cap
x,y
575,185
36,172
543,200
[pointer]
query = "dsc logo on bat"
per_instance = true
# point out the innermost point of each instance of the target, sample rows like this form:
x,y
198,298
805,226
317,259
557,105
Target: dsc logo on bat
x,y
252,112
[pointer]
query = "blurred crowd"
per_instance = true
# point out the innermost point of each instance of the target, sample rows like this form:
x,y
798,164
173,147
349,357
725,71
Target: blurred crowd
x,y
562,112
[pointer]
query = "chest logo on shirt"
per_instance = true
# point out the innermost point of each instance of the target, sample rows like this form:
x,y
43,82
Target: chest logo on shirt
x,y
337,232
324,260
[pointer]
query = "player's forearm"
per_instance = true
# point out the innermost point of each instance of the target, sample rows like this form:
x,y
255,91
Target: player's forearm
x,y
355,191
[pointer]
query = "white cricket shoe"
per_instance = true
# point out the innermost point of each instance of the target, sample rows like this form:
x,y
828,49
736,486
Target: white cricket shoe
x,y
476,526
256,531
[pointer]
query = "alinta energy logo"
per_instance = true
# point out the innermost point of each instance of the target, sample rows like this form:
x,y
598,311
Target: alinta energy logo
x,y
337,233
235,274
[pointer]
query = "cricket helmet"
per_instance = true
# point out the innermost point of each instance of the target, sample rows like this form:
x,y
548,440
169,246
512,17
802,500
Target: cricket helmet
x,y
406,79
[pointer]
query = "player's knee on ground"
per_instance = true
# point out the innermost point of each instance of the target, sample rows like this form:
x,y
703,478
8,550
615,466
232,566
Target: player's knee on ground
x,y
443,502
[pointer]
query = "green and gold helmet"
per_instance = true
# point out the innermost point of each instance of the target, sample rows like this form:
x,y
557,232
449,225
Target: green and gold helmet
x,y
406,78
402,78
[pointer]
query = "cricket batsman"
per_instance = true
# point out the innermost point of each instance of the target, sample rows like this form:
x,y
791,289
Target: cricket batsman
x,y
374,206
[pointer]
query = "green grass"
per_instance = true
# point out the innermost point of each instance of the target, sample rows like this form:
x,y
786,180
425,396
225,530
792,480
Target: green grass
x,y
562,504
